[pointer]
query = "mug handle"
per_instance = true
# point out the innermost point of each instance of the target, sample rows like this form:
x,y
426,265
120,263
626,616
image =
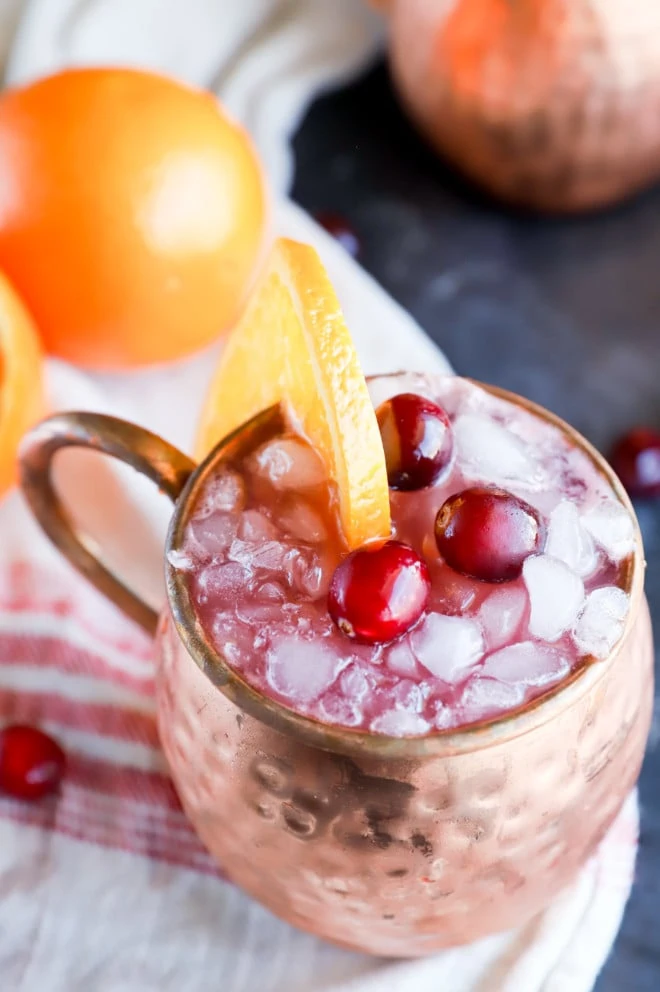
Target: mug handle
x,y
149,454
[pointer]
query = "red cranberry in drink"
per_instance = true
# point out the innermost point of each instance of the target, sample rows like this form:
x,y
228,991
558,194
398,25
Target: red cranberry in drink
x,y
417,440
378,593
31,763
487,533
340,229
636,460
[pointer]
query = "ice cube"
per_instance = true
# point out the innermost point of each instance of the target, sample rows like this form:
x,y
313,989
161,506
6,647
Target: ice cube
x,y
181,560
569,541
501,614
299,520
339,711
307,616
258,614
527,663
232,652
355,683
556,596
448,646
300,670
289,463
611,527
269,592
224,580
309,573
255,526
399,658
601,622
211,535
400,723
313,581
444,716
488,450
408,695
484,698
233,638
223,491
269,555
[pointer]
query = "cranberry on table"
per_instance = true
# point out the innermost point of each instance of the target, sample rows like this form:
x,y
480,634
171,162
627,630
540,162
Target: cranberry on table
x,y
31,763
378,593
340,229
487,533
636,460
417,439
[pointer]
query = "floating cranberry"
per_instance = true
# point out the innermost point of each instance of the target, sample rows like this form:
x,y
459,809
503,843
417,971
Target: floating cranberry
x,y
340,229
417,440
378,593
636,460
31,763
487,533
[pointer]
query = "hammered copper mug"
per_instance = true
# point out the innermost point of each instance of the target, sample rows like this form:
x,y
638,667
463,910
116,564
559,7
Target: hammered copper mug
x,y
392,846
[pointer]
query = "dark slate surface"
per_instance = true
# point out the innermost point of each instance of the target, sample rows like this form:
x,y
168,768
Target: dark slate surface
x,y
566,312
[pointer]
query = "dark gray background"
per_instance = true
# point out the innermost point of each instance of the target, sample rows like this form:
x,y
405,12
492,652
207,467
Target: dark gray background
x,y
563,311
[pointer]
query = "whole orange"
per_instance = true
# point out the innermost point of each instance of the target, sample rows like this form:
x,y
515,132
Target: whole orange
x,y
132,214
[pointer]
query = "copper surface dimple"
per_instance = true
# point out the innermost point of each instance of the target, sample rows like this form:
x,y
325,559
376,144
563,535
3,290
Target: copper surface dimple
x,y
299,821
273,776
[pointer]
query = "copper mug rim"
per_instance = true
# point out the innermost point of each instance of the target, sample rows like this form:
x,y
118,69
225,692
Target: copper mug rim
x,y
514,723
181,479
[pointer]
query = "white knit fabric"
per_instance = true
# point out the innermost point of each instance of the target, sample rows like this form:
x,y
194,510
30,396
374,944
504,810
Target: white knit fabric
x,y
111,892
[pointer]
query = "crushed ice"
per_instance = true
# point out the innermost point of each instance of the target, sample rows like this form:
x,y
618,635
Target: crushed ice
x,y
300,670
527,663
601,622
611,527
569,541
487,450
556,596
288,463
448,646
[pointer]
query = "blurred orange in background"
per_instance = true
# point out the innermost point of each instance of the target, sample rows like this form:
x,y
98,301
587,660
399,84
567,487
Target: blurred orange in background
x,y
132,214
21,380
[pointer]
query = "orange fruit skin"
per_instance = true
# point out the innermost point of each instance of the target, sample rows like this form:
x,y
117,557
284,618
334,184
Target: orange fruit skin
x,y
21,380
132,214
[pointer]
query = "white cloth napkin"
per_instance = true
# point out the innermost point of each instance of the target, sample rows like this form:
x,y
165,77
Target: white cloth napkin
x,y
108,889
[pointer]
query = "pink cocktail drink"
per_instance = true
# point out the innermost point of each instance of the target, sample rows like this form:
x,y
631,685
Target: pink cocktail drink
x,y
504,573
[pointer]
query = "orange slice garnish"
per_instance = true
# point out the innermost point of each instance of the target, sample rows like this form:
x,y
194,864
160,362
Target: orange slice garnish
x,y
292,345
21,379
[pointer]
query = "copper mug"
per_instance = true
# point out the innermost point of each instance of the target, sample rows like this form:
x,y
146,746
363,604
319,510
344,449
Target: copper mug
x,y
391,846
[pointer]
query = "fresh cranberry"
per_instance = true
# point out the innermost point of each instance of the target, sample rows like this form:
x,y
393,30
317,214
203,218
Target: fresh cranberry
x,y
417,440
487,533
378,593
340,229
636,460
31,763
